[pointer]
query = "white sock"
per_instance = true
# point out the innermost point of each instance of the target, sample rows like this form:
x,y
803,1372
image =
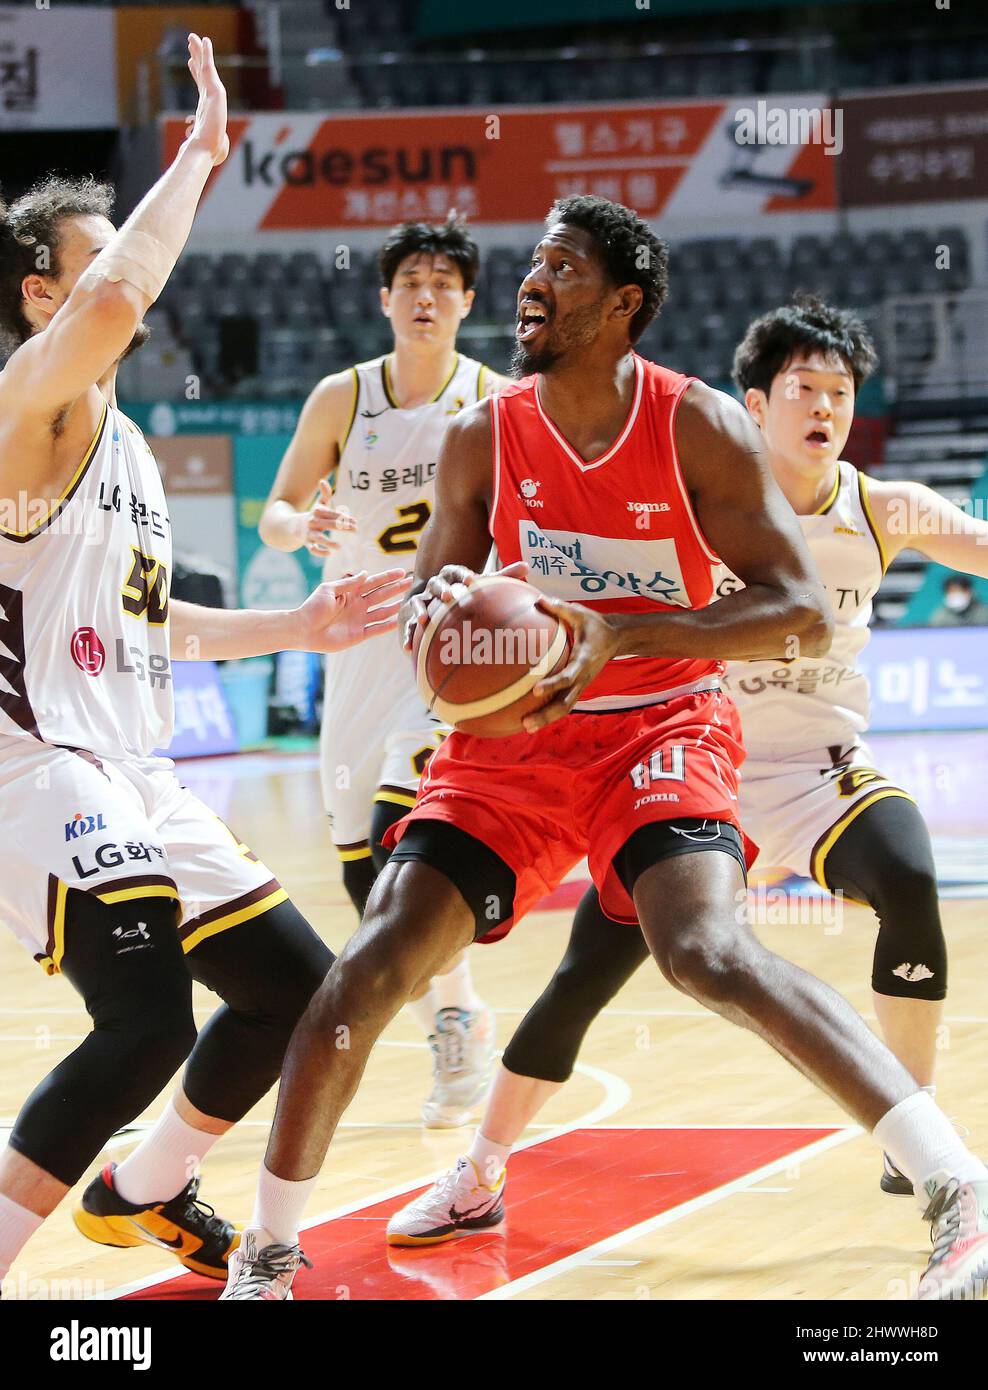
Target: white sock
x,y
424,1012
17,1226
488,1158
164,1161
923,1144
455,990
278,1207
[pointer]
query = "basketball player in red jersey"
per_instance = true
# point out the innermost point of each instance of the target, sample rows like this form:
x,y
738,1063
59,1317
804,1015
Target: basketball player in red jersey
x,y
622,485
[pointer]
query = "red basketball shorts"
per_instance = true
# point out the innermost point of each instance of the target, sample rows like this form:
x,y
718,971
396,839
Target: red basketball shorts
x,y
583,786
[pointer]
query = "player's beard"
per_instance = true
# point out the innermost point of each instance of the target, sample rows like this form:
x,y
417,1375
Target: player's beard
x,y
579,329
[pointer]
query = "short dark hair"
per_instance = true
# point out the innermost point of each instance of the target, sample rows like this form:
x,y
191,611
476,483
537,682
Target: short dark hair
x,y
807,325
35,220
449,239
620,236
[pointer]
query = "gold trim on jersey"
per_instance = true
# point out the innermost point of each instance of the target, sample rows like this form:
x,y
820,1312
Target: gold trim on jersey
x,y
389,393
357,849
353,412
480,382
21,536
395,798
866,508
253,907
834,492
826,842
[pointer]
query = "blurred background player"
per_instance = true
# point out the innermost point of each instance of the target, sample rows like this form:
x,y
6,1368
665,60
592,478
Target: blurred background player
x,y
111,872
811,798
366,445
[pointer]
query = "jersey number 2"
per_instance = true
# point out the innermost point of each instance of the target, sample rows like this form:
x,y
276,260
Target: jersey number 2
x,y
404,535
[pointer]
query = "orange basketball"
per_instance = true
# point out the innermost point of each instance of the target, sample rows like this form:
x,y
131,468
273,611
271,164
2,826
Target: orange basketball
x,y
479,659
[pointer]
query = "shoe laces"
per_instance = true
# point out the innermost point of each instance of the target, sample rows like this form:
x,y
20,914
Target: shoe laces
x,y
944,1211
448,1041
267,1266
448,1183
197,1215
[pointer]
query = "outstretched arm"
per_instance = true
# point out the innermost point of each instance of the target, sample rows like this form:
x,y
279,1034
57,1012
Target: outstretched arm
x,y
334,616
912,516
98,320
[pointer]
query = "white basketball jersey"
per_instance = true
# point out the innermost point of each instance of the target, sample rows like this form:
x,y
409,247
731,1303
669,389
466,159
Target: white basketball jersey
x,y
387,470
809,703
84,661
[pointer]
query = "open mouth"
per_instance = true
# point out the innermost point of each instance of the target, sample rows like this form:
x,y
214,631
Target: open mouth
x,y
532,318
424,318
819,439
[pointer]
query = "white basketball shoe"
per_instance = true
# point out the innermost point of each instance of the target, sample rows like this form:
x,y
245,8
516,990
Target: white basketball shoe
x,y
456,1203
462,1061
958,1267
264,1273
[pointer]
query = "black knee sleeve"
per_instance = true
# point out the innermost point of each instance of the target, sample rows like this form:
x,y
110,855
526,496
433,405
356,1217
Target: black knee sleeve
x,y
126,962
384,815
358,880
485,882
885,858
266,971
602,955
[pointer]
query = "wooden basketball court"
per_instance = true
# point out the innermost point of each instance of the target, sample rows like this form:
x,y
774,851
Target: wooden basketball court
x,y
683,1161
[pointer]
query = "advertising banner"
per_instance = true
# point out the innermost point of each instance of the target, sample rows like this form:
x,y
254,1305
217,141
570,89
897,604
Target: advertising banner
x,y
203,723
930,678
920,146
300,171
57,68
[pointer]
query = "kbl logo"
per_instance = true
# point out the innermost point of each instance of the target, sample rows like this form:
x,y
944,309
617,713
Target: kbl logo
x,y
81,825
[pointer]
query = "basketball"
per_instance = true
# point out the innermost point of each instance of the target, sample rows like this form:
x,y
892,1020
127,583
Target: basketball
x,y
479,659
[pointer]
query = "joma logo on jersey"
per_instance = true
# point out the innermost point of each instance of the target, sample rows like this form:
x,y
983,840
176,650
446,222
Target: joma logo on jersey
x,y
648,506
81,825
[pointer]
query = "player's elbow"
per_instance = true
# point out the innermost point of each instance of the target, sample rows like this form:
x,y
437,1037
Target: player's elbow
x,y
814,627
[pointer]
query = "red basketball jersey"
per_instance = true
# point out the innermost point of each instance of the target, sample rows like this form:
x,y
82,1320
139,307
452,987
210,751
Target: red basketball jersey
x,y
617,533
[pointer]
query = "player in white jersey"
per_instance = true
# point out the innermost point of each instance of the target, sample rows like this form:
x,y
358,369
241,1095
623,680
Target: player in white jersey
x,y
811,798
111,872
366,448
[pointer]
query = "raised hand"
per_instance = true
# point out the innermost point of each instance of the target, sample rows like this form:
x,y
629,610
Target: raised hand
x,y
315,525
209,122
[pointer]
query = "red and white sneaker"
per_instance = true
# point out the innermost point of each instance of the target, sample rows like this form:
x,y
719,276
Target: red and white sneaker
x,y
456,1204
958,1267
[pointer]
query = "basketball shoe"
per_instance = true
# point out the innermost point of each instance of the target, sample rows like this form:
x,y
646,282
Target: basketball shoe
x,y
958,1267
190,1229
462,1060
263,1274
457,1202
894,1181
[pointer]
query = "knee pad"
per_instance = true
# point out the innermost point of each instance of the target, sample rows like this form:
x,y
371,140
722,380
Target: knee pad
x,y
384,815
358,879
885,858
126,962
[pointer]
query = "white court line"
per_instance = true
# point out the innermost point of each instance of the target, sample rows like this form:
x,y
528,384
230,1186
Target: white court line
x,y
666,1218
617,1094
